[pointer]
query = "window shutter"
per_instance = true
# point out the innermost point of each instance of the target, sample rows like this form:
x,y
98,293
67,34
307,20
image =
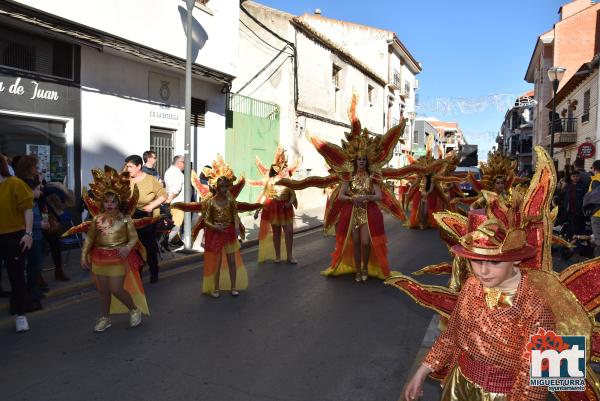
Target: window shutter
x,y
198,113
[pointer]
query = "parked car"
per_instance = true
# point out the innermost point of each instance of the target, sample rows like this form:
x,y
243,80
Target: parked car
x,y
466,186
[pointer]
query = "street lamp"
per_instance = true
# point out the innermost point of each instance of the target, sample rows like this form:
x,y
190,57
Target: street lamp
x,y
187,193
555,74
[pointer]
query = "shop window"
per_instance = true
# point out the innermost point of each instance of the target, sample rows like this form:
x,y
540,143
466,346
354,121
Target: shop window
x,y
37,54
44,138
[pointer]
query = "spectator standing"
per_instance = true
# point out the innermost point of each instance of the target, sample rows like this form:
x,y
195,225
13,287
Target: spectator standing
x,y
35,255
16,224
151,196
149,168
579,165
595,219
573,204
56,201
174,181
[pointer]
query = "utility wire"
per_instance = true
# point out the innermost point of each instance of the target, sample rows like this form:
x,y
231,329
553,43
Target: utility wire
x,y
262,70
262,40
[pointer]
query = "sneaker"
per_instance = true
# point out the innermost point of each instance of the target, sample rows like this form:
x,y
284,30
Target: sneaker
x,y
21,324
102,324
135,317
215,294
234,293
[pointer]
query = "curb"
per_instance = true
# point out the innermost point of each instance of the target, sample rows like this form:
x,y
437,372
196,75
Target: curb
x,y
164,266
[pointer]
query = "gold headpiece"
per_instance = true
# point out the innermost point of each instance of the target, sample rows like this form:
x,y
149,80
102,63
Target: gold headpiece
x,y
360,143
497,166
219,169
280,162
498,233
110,181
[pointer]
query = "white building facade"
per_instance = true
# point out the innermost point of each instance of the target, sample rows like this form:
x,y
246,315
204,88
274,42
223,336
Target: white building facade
x,y
124,90
312,72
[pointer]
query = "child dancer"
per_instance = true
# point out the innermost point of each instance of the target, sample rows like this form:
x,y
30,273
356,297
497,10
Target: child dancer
x,y
109,249
498,309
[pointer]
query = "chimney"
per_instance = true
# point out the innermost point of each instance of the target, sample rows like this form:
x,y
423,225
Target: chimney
x,y
317,11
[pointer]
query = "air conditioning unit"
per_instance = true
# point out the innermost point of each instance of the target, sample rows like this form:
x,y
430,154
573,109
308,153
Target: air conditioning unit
x,y
416,84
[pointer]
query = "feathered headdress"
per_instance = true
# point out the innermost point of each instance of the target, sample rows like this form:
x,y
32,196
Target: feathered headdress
x,y
497,166
110,181
280,162
219,169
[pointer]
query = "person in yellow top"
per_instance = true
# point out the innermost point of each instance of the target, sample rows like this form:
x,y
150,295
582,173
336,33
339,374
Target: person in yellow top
x,y
151,196
16,225
595,219
109,250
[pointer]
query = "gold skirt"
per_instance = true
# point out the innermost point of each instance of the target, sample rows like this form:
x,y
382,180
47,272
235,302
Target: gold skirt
x,y
459,388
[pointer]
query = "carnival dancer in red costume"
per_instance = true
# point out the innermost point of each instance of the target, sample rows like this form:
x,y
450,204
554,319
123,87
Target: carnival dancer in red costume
x,y
506,309
223,266
361,244
111,247
278,212
431,187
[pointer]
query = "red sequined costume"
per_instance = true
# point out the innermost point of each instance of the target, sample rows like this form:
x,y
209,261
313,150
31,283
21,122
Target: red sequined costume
x,y
487,344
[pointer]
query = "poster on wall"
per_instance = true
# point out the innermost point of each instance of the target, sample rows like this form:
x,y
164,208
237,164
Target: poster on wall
x,y
43,154
58,170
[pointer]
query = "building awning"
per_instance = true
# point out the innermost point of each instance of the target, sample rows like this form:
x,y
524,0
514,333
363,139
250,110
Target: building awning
x,y
86,35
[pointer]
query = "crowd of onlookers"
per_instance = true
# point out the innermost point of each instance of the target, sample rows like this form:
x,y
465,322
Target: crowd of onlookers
x,y
36,213
577,197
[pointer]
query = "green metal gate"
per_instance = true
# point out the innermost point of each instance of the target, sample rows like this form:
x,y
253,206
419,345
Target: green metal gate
x,y
252,130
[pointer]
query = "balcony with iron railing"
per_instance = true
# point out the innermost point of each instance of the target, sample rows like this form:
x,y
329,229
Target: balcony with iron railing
x,y
396,81
405,89
565,132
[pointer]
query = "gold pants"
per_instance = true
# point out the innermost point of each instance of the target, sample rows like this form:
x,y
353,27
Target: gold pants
x,y
177,216
459,388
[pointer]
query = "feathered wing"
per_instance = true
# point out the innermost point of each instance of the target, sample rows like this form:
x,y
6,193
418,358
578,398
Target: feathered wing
x,y
202,189
536,209
237,187
333,154
388,143
313,181
262,169
440,299
391,204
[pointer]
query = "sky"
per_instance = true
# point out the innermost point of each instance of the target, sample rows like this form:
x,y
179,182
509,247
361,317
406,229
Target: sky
x,y
470,51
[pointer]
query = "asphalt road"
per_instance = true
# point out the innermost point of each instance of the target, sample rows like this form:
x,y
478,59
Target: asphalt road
x,y
293,336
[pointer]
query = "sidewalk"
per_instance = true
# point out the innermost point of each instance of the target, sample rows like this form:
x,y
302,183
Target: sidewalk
x,y
80,279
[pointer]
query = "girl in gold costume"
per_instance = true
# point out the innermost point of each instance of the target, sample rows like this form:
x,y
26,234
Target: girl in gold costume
x,y
278,212
223,266
109,248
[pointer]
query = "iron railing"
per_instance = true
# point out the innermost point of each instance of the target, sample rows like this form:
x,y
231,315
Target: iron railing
x,y
247,105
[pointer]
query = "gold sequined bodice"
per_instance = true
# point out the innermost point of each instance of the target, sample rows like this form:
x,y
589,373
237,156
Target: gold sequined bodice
x,y
110,231
277,192
221,213
361,185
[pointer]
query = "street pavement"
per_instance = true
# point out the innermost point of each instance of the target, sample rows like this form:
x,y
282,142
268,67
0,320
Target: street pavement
x,y
293,336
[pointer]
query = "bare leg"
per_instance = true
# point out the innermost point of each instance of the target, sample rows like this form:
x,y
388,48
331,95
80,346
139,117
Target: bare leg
x,y
365,242
104,290
218,272
277,241
356,246
232,269
116,288
288,230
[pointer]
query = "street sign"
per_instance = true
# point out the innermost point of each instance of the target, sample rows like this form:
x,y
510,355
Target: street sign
x,y
586,150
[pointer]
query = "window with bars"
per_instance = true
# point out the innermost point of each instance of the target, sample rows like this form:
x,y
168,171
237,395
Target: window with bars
x,y
585,117
29,52
161,142
198,113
